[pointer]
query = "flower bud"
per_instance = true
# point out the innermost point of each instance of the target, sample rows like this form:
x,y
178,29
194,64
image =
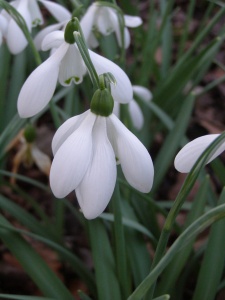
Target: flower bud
x,y
102,103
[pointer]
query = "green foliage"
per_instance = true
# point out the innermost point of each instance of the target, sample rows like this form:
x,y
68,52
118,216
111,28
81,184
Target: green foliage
x,y
139,238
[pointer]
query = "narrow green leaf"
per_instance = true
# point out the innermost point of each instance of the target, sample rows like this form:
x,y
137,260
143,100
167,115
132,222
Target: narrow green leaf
x,y
34,265
213,262
163,297
19,297
75,263
192,231
119,240
105,269
83,296
172,141
173,270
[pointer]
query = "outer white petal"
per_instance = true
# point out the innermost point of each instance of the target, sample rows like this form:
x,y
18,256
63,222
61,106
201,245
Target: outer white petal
x,y
36,16
189,154
135,160
44,32
58,11
87,21
132,21
136,114
72,68
142,92
39,87
122,92
103,22
65,130
53,40
96,188
15,38
72,159
3,24
0,38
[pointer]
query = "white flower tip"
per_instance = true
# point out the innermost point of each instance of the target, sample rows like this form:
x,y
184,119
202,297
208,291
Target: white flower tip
x,y
132,21
90,214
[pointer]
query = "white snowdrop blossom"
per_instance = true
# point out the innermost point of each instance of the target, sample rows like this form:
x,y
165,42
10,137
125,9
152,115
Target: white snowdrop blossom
x,y
134,109
67,66
31,13
85,149
105,20
189,154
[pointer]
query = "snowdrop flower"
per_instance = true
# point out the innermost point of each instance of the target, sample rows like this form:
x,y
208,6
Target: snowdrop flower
x,y
105,20
189,154
3,26
134,109
31,13
86,148
67,66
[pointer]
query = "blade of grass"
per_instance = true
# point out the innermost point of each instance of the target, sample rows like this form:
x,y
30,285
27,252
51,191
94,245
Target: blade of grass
x,y
23,297
105,269
34,265
172,141
119,240
212,265
173,270
66,255
192,231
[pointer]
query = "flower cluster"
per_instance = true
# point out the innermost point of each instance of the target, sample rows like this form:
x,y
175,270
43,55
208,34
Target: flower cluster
x,y
31,13
88,147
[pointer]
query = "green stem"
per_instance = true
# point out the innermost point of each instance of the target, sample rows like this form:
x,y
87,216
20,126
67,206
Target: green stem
x,y
121,257
87,60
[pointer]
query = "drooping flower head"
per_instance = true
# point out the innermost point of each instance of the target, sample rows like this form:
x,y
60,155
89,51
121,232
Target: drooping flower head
x,y
105,20
67,66
31,13
85,150
189,154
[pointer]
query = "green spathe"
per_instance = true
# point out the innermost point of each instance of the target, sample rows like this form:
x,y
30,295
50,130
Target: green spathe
x,y
71,26
102,103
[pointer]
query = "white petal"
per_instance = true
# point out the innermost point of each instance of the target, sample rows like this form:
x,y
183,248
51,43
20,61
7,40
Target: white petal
x,y
36,16
3,24
39,87
0,38
72,68
96,188
87,21
104,23
65,130
189,154
42,160
53,40
15,38
132,21
122,92
136,114
142,92
72,159
116,109
43,33
135,160
58,11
